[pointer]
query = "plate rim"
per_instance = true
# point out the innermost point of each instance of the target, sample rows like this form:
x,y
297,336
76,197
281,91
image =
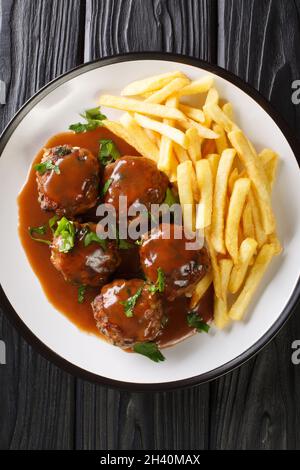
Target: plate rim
x,y
215,373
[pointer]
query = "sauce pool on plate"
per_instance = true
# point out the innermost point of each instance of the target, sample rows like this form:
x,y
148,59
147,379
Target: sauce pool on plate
x,y
64,296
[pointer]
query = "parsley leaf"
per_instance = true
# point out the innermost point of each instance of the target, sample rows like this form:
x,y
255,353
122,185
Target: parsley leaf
x,y
108,151
81,294
42,167
52,222
194,321
91,237
41,230
159,286
62,151
66,231
130,303
170,198
105,187
93,119
149,350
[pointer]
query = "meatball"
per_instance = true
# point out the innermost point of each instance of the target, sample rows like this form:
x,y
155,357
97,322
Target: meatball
x,y
137,178
113,318
89,265
71,186
182,267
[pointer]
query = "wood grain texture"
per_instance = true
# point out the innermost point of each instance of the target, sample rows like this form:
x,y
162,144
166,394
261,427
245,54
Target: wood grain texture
x,y
257,406
181,26
39,40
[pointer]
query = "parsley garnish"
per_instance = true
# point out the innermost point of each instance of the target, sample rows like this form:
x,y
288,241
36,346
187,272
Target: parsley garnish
x,y
52,222
108,151
105,187
130,303
159,286
138,242
42,167
149,350
93,119
91,237
62,151
81,294
194,321
66,231
41,230
170,199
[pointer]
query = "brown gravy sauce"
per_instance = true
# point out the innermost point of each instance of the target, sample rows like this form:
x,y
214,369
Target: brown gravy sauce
x,y
63,296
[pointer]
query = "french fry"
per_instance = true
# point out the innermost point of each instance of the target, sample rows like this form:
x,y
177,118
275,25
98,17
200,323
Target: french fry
x,y
119,130
260,234
257,271
236,204
152,109
216,114
167,161
212,97
193,113
247,222
213,159
154,136
164,129
148,148
185,172
194,148
270,163
180,153
214,264
200,289
221,141
256,173
228,110
197,86
219,200
221,318
234,175
172,87
140,87
247,251
273,240
205,182
204,132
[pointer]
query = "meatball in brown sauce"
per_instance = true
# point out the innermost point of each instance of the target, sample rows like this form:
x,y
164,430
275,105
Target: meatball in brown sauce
x,y
68,180
90,265
124,327
138,179
182,267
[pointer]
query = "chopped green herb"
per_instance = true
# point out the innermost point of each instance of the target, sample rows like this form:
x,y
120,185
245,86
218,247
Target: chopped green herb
x,y
122,244
91,237
130,303
81,294
149,350
52,222
66,231
105,187
170,198
41,230
42,167
194,321
108,151
159,286
139,242
93,119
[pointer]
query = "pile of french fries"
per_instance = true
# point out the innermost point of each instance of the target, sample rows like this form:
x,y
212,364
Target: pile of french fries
x,y
224,186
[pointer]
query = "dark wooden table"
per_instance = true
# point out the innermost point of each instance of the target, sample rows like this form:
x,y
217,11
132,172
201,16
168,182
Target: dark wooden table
x,y
256,406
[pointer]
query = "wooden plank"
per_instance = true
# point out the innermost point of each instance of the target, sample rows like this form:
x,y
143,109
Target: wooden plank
x,y
180,26
39,40
109,419
257,406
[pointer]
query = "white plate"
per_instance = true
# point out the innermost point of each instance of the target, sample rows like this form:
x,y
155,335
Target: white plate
x,y
201,357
